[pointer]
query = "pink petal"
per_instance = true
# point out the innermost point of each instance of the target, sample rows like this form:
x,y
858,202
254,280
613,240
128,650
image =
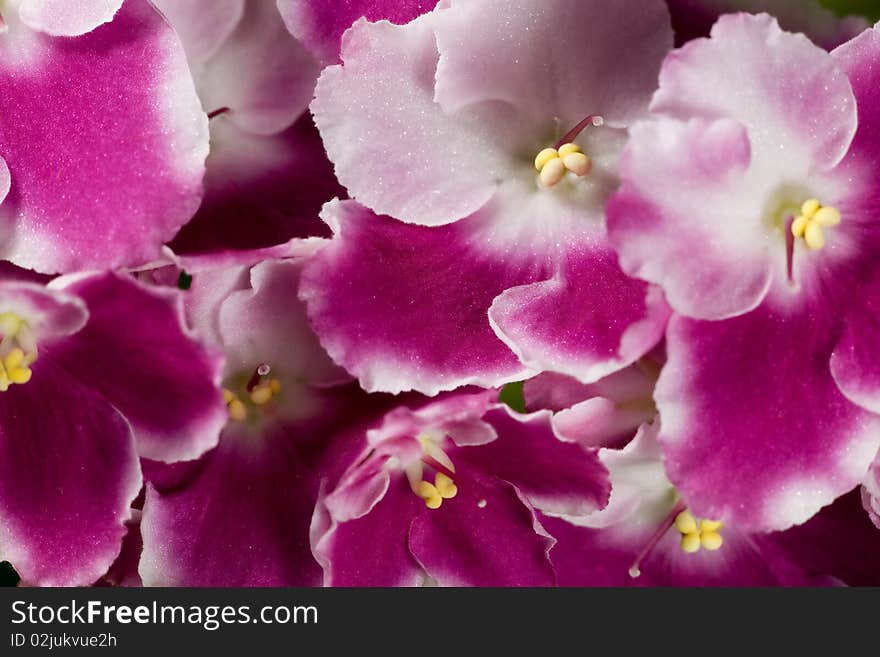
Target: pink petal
x,y
67,18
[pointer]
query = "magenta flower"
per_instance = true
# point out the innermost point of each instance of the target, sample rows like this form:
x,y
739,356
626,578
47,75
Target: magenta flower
x,y
437,124
97,371
240,515
753,207
871,492
452,488
102,139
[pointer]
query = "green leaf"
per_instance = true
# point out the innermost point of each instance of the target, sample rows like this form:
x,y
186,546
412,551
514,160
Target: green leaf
x,y
512,395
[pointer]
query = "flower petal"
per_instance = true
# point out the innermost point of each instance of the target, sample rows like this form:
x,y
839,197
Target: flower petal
x,y
242,519
588,321
203,25
556,477
417,163
135,350
68,474
754,429
684,179
106,141
753,72
351,555
49,313
854,360
261,73
404,307
506,50
487,535
320,23
67,18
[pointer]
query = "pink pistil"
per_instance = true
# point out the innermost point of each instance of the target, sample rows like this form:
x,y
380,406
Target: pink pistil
x,y
571,135
668,521
789,248
218,112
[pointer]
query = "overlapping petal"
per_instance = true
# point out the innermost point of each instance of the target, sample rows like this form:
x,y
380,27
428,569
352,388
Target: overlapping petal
x,y
67,18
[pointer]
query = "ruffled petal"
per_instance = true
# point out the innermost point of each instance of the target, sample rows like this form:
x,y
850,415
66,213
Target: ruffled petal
x,y
67,18
49,313
505,50
556,477
588,321
754,429
416,163
68,474
753,72
136,352
487,535
241,520
320,23
684,179
405,307
351,555
105,141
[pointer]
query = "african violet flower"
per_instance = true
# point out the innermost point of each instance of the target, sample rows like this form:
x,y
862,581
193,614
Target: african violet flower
x,y
239,516
871,492
96,371
451,488
647,535
694,18
751,197
448,124
102,139
255,81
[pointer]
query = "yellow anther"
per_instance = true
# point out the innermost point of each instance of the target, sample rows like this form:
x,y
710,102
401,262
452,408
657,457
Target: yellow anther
x,y
827,217
13,359
275,385
568,149
552,164
696,534
19,374
814,237
710,540
429,493
17,350
227,395
237,409
552,172
685,522
445,486
709,525
544,157
808,225
261,394
690,543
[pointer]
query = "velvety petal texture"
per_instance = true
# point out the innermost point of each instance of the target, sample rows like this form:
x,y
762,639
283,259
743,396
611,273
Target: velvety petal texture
x,y
105,141
161,379
756,433
368,301
68,474
618,319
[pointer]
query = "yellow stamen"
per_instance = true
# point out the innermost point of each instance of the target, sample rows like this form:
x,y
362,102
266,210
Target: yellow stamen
x,y
696,534
445,486
808,225
17,350
261,394
430,494
552,163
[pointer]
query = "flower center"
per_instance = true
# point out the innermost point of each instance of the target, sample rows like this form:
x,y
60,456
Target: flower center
x,y
695,535
444,487
812,219
565,156
18,350
257,393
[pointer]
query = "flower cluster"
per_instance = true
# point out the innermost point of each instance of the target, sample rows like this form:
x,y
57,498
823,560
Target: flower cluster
x,y
458,293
